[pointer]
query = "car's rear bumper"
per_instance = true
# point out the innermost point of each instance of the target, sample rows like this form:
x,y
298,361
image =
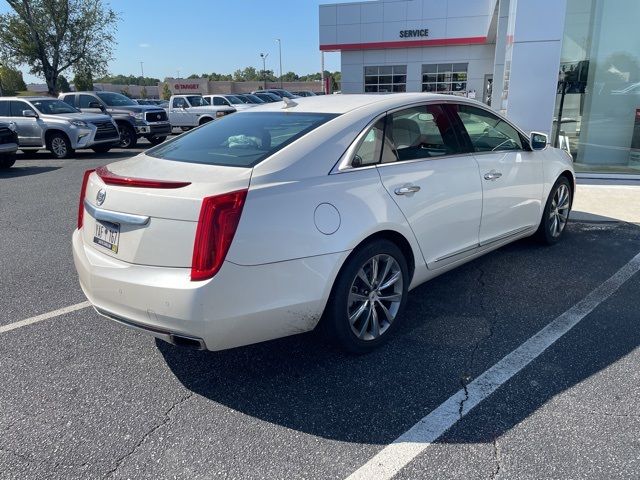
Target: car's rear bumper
x,y
239,306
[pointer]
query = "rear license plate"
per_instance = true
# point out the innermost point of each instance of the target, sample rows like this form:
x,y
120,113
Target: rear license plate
x,y
107,235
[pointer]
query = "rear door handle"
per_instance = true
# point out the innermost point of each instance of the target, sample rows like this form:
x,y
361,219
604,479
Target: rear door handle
x,y
492,175
407,189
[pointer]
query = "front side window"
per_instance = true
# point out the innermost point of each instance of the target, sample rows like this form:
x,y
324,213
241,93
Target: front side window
x,y
487,132
422,132
197,101
69,100
180,102
53,107
85,100
240,140
218,101
445,78
385,79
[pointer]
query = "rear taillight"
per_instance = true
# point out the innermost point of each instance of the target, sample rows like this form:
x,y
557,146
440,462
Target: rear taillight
x,y
111,178
83,193
219,218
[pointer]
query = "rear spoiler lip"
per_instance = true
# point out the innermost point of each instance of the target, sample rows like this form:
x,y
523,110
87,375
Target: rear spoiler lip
x,y
110,178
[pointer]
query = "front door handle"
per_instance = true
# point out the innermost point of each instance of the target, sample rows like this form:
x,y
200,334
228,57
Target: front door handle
x,y
492,175
407,189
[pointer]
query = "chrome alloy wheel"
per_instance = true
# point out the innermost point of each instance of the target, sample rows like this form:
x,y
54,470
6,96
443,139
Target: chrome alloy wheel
x,y
559,212
375,297
59,147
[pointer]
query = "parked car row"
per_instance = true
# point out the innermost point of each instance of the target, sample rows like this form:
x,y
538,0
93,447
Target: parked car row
x,y
104,120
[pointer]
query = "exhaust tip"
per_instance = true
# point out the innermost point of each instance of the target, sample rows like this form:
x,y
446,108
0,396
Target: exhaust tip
x,y
188,342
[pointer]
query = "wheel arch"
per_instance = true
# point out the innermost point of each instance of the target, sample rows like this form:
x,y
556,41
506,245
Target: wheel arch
x,y
572,182
52,131
205,119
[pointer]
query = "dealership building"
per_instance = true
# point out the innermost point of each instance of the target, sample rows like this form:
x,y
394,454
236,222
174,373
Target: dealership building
x,y
569,68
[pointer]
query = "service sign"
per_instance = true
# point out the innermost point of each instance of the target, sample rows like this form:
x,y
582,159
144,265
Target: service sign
x,y
418,33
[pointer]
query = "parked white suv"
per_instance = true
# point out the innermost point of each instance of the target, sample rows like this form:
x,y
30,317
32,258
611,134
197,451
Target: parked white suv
x,y
43,122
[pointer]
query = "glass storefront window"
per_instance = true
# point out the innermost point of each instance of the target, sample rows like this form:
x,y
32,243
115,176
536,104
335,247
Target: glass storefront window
x,y
597,116
385,79
445,78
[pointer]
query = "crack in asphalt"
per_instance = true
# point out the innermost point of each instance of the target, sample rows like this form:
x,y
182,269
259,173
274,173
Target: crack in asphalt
x,y
165,421
496,457
32,461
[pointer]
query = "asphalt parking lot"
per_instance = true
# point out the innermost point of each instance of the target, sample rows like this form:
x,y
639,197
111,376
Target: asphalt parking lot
x,y
82,398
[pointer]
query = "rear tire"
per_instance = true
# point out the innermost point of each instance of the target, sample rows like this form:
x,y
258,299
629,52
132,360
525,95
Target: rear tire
x,y
204,120
7,161
128,137
556,212
60,146
366,301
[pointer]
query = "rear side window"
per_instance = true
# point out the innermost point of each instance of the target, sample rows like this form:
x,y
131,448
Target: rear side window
x,y
69,100
4,109
240,140
487,132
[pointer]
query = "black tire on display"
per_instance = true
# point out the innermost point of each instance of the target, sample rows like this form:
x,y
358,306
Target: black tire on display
x,y
7,161
59,145
128,137
368,297
155,140
556,212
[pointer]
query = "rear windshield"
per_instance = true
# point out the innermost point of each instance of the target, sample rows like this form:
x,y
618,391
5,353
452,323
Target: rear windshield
x,y
240,139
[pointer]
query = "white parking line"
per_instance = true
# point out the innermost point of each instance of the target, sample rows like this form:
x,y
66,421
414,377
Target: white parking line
x,y
391,459
44,316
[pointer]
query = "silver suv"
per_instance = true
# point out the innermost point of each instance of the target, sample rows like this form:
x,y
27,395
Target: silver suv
x,y
44,122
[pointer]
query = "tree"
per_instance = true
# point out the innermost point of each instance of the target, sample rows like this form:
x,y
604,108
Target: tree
x,y
166,92
125,91
290,77
11,81
51,36
128,80
62,85
143,92
83,81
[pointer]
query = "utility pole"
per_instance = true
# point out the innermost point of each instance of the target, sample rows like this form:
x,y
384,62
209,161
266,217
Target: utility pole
x,y
280,52
142,68
264,56
1,65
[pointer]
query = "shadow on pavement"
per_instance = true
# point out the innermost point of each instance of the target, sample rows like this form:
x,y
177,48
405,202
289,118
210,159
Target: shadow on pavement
x,y
18,171
455,327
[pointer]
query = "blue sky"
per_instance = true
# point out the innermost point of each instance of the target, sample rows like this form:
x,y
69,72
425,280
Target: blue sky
x,y
198,36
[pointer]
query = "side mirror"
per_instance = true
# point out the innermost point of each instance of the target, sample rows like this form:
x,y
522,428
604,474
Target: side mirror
x,y
184,106
29,114
538,141
96,105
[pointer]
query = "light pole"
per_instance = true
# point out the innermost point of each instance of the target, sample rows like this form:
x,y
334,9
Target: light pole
x,y
1,65
142,68
264,56
280,53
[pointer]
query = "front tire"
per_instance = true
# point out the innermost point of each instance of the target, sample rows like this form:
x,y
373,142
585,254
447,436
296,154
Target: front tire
x,y
556,212
128,137
60,146
155,140
102,148
368,297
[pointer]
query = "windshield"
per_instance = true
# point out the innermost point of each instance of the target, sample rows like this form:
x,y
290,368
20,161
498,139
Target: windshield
x,y
234,100
240,140
53,107
197,101
115,99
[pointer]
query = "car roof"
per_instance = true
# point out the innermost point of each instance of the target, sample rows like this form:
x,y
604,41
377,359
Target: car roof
x,y
346,103
30,99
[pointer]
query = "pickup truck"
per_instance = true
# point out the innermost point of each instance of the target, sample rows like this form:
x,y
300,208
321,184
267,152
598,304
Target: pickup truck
x,y
189,111
134,121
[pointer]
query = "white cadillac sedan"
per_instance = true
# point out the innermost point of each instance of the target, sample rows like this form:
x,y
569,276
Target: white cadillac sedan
x,y
321,211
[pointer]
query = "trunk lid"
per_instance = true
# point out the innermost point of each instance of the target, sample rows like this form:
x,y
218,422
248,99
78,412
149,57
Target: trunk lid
x,y
153,226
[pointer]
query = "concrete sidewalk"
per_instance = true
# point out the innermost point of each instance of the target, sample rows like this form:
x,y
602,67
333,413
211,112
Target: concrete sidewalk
x,y
606,203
